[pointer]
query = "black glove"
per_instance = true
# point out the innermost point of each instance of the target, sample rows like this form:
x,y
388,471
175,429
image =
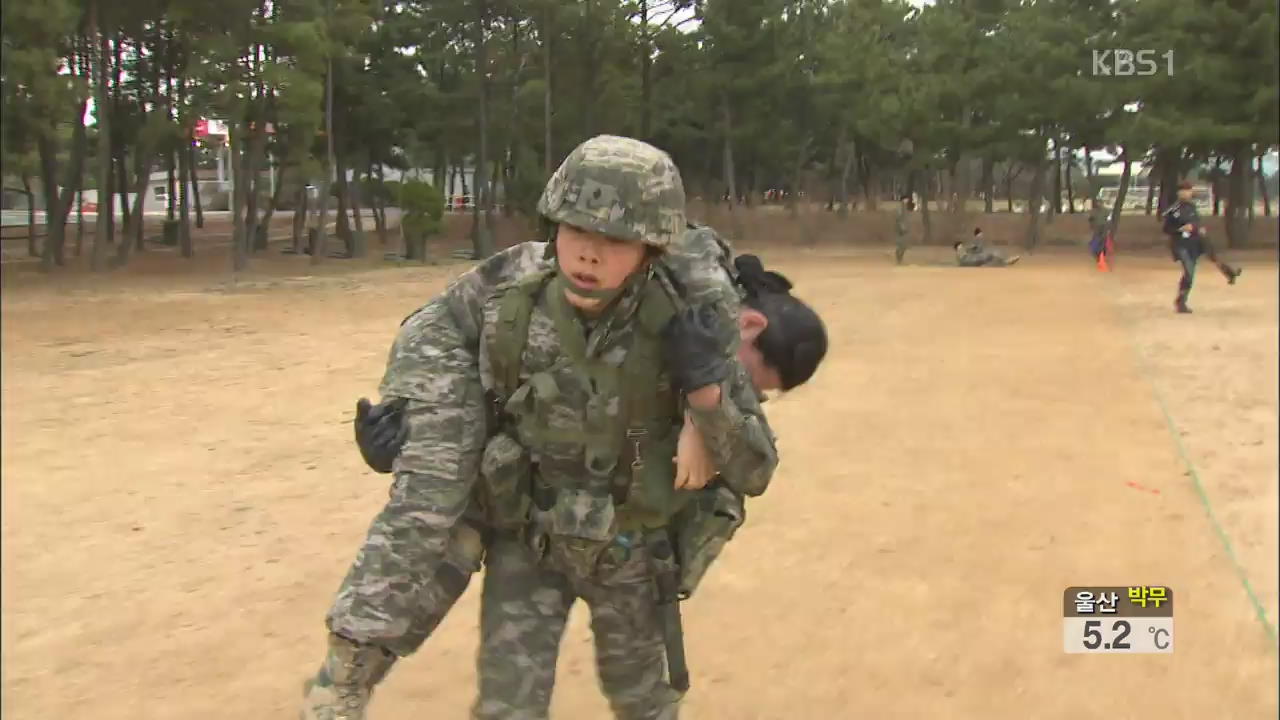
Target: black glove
x,y
696,348
380,431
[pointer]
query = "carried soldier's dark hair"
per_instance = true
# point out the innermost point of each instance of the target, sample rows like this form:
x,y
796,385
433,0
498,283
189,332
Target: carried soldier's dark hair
x,y
795,340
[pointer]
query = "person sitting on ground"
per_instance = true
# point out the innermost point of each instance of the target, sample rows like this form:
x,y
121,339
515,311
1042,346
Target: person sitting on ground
x,y
976,255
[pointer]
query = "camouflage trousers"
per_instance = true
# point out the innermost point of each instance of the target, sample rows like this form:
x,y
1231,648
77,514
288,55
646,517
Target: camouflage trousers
x,y
401,625
524,608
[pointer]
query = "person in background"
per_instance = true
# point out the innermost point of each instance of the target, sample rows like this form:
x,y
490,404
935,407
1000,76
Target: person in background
x,y
1187,242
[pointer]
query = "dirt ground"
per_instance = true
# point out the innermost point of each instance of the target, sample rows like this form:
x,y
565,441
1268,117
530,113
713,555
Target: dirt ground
x,y
181,496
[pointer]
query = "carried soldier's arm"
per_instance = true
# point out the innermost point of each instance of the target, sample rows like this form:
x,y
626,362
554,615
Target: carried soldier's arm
x,y
737,434
723,403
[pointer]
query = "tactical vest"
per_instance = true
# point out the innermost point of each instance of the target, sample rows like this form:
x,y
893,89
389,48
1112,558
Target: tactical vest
x,y
638,447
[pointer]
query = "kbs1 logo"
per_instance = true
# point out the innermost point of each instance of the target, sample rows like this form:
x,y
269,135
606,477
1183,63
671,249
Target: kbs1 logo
x,y
1119,62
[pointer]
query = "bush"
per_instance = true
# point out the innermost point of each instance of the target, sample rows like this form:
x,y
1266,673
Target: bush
x,y
422,208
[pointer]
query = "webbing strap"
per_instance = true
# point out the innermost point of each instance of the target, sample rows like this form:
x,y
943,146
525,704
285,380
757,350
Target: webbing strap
x,y
512,334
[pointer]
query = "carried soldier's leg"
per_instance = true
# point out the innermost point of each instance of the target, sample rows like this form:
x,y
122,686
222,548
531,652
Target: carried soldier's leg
x,y
523,610
352,669
630,654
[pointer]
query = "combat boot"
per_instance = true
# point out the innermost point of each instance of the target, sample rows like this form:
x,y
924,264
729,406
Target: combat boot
x,y
1231,273
341,690
1181,304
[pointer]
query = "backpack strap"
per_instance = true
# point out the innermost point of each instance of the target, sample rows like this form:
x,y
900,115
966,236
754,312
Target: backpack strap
x,y
647,406
506,345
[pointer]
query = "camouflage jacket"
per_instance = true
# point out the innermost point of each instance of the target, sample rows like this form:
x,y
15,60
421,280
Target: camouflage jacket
x,y
900,222
434,363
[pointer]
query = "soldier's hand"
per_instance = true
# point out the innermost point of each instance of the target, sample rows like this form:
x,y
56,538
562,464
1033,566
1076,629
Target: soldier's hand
x,y
380,431
696,346
694,466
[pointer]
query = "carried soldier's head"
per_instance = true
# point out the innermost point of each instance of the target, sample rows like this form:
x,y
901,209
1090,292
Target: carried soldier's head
x,y
783,339
615,202
1185,190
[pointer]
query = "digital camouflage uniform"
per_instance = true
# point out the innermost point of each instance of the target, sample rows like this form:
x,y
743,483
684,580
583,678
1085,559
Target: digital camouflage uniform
x,y
580,480
418,557
900,226
977,256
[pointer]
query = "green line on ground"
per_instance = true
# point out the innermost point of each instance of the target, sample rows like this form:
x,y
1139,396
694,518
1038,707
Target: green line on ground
x,y
1145,369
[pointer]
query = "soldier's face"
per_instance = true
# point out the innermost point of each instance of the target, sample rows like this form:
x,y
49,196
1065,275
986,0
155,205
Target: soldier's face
x,y
593,261
764,376
1184,195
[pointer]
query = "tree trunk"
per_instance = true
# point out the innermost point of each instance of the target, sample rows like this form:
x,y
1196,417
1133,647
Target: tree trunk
x,y
300,218
924,181
359,246
255,160
870,184
1151,189
342,223
1216,186
1088,174
379,205
32,247
264,224
589,67
1071,195
797,172
513,120
322,241
173,187
195,186
482,242
1236,196
1009,177
1055,207
730,175
548,158
57,205
491,199
79,222
185,246
988,184
122,187
239,241
843,159
134,222
1249,186
646,72
1122,191
1167,161
98,258
1035,196
960,191
1262,187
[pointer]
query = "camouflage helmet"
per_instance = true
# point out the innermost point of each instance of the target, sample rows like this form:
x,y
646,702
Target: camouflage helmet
x,y
620,187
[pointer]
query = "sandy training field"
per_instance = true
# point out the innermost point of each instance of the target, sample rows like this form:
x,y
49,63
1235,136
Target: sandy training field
x,y
181,496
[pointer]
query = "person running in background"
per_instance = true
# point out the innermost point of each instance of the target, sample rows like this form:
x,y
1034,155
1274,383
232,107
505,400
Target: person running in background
x,y
1187,242
1099,227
